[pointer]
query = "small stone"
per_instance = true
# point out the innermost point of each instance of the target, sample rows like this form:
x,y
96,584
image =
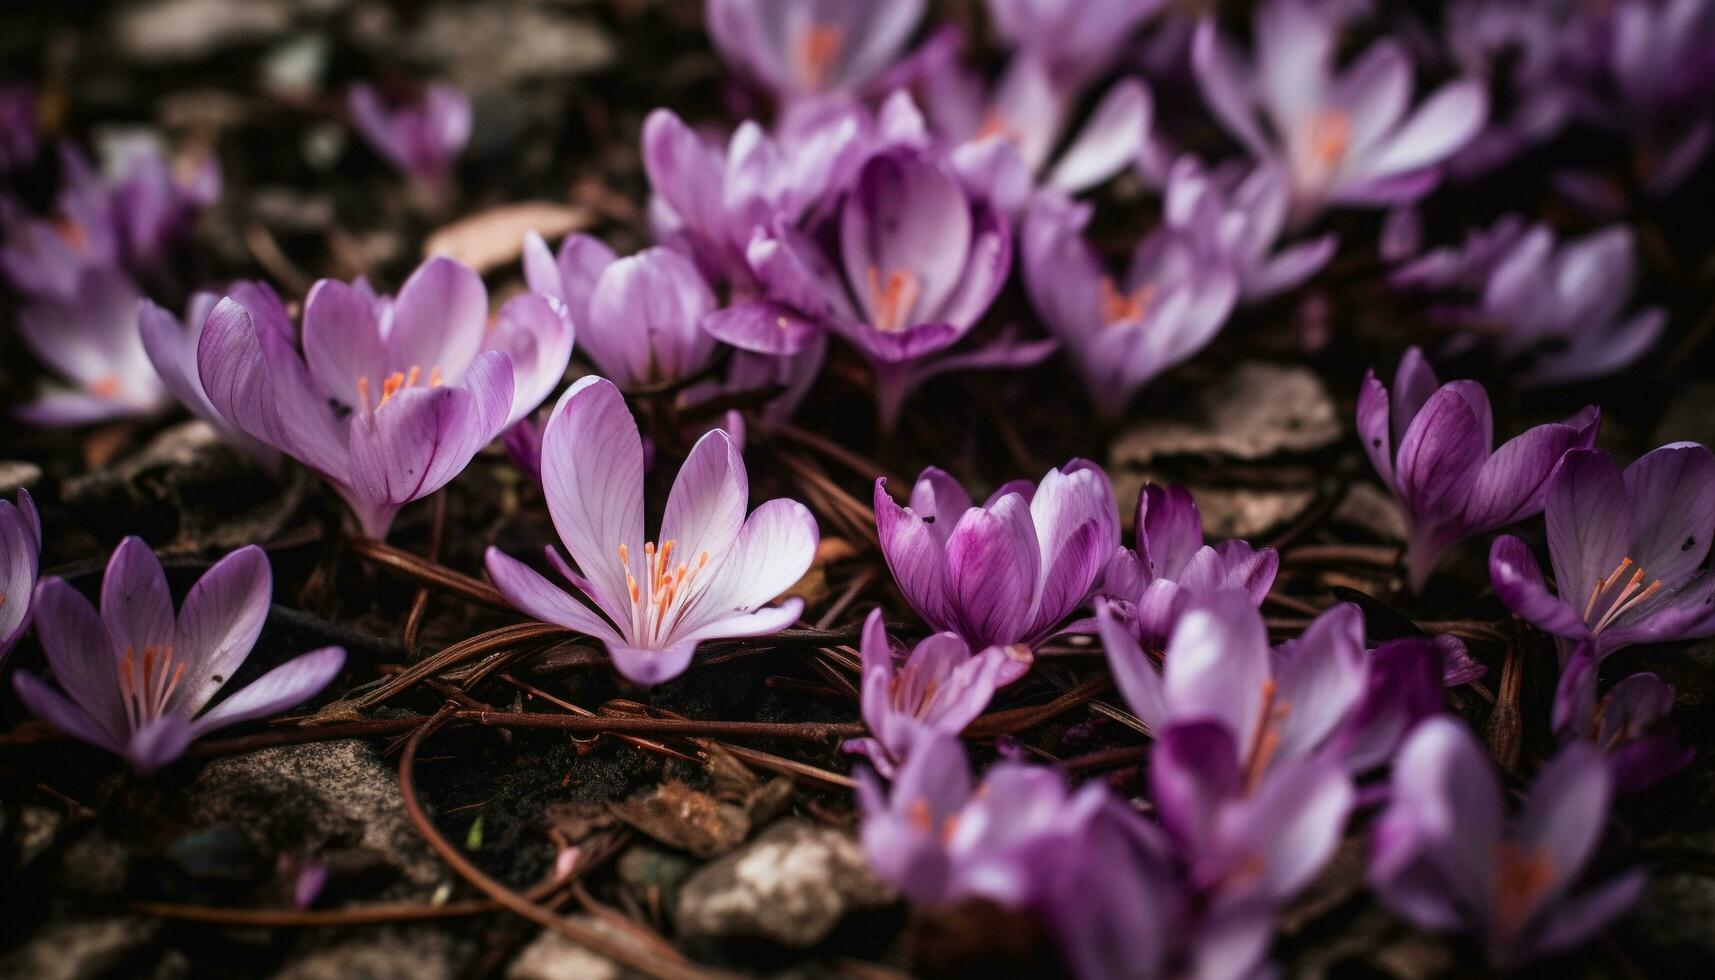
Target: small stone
x,y
652,869
422,952
82,950
96,865
178,30
551,956
679,816
1254,412
790,885
482,52
16,474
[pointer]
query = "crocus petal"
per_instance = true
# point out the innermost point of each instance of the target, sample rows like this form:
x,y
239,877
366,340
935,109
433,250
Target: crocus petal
x,y
772,551
541,599
342,342
992,565
645,318
1217,665
1110,140
1135,674
596,509
705,508
1169,529
1512,484
538,341
906,217
940,501
160,741
234,374
1444,122
761,327
1194,768
1375,428
136,605
1444,786
1589,518
1672,490
54,708
1224,80
1518,581
1292,824
1320,676
286,686
763,622
218,624
914,553
1578,917
1564,814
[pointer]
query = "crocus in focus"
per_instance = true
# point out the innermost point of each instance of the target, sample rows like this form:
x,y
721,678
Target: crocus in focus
x,y
1628,550
1122,332
1446,857
639,319
136,677
20,558
423,138
917,262
708,577
1171,567
1009,572
388,399
1344,138
801,48
940,686
1631,724
1433,446
90,338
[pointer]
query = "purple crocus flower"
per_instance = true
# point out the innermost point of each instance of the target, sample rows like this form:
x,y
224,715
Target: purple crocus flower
x,y
1654,57
1007,573
1075,39
940,686
18,139
136,677
918,261
1631,724
1240,216
1433,446
172,349
1344,138
938,839
1171,568
1446,857
712,571
1466,266
1628,551
801,48
388,399
639,319
90,338
1521,50
422,138
20,559
1172,300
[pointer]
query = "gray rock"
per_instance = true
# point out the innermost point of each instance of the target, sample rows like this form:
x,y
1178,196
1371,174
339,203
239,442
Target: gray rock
x,y
177,30
16,474
399,953
83,950
790,885
483,52
551,956
1248,512
304,798
1256,411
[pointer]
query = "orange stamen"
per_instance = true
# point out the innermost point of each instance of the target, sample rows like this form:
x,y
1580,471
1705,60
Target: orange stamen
x,y
106,386
892,298
818,49
1330,138
1118,307
1520,879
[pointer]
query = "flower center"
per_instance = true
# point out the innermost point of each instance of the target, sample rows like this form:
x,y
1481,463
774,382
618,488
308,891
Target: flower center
x,y
146,683
892,297
995,123
902,688
655,607
1267,739
1609,600
106,386
1327,136
393,383
1521,877
1118,307
818,49
72,233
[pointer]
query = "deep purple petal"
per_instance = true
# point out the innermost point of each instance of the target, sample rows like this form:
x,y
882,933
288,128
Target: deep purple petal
x,y
218,624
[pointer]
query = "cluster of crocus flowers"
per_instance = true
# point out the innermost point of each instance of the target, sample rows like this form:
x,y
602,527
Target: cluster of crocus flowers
x,y
1628,549
1433,446
798,50
422,138
1006,574
638,319
708,575
20,558
940,686
387,398
90,339
1123,331
1344,138
1171,568
1447,857
1074,39
137,676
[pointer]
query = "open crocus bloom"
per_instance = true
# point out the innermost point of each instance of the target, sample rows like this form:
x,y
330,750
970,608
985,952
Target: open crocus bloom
x,y
1656,55
639,319
1344,139
172,349
90,337
1123,332
1446,857
918,261
940,686
20,558
421,139
1631,724
706,577
1432,444
388,399
1628,551
137,677
1172,567
801,48
1240,217
1007,573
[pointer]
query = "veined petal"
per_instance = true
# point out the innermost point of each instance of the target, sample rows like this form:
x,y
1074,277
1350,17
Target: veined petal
x,y
1672,491
439,319
1217,665
54,708
136,605
597,509
914,553
1589,517
218,624
705,509
1518,581
1138,678
992,565
286,686
541,599
773,550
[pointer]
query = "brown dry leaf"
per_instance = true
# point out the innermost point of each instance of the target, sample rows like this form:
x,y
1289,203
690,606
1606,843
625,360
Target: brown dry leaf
x,y
679,816
490,239
578,820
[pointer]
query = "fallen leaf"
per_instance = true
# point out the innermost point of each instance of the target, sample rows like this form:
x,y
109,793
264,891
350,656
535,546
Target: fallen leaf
x,y
490,239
